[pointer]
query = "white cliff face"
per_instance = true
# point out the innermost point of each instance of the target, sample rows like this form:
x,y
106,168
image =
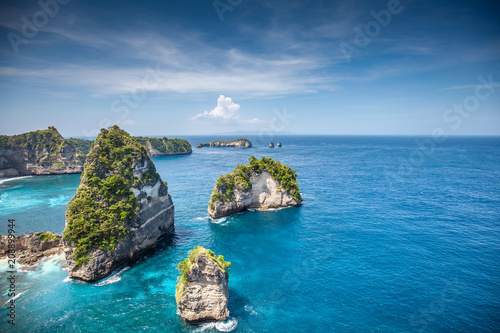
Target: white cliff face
x,y
265,193
205,296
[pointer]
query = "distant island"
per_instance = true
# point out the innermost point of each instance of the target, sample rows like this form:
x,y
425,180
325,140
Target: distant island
x,y
239,143
46,152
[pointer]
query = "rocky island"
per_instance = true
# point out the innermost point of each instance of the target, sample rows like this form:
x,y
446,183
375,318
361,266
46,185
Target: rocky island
x,y
164,146
262,184
120,210
31,248
43,152
202,290
239,143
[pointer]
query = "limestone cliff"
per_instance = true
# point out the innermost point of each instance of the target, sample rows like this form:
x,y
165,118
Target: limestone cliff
x,y
240,143
164,146
43,152
263,184
203,291
120,210
31,248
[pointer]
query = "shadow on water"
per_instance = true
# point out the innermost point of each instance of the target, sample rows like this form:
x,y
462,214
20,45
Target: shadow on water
x,y
179,236
256,219
238,304
242,308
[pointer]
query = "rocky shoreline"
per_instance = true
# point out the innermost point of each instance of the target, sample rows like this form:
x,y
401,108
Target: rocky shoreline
x,y
32,248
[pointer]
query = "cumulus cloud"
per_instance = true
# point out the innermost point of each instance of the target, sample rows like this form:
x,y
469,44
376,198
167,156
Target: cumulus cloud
x,y
226,111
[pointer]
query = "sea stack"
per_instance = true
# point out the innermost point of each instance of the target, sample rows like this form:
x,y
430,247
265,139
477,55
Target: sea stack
x,y
262,184
279,145
271,145
203,291
120,210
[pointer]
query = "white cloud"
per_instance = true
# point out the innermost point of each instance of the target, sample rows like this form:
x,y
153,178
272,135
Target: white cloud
x,y
185,68
226,111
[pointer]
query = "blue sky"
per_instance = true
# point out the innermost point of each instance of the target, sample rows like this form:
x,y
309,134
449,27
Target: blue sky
x,y
203,67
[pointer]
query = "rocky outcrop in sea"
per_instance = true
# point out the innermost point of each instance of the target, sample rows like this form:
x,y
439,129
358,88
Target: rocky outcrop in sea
x,y
202,291
240,143
30,248
262,184
120,210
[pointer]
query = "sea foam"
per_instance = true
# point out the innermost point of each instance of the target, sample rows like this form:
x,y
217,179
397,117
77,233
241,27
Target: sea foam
x,y
227,325
113,278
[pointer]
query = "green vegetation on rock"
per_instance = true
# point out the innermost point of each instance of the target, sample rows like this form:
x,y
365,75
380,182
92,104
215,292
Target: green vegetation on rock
x,y
83,146
240,178
230,141
46,236
165,145
103,206
186,265
44,138
47,146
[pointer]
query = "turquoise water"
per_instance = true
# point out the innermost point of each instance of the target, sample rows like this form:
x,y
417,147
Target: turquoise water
x,y
379,245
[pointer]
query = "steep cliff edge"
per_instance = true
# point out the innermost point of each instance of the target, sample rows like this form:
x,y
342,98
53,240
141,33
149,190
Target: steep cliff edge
x,y
164,146
203,291
43,152
120,210
262,184
240,143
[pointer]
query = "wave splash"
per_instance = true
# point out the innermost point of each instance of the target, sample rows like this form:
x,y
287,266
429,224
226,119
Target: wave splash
x,y
227,325
113,278
219,220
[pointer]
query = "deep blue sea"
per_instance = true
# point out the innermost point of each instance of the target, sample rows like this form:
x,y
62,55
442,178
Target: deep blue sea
x,y
391,237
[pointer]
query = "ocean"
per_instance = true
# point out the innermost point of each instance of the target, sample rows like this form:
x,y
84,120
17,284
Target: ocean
x,y
395,234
